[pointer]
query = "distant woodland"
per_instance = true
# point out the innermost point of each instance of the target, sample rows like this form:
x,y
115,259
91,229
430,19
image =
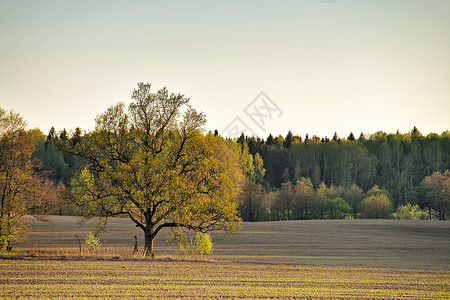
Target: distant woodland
x,y
316,177
379,175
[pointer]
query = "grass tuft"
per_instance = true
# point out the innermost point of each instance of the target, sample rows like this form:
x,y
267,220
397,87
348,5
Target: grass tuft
x,y
14,252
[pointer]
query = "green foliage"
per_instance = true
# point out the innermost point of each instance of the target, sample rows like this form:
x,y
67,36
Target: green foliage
x,y
337,208
92,243
259,169
377,206
252,205
202,244
434,193
53,162
59,166
285,201
23,191
395,162
12,235
13,252
247,163
304,201
152,163
410,212
353,195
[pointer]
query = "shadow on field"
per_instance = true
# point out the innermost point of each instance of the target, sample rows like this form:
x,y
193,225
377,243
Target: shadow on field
x,y
390,243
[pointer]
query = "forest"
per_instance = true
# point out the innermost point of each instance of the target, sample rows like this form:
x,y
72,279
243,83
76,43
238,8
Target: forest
x,y
379,175
372,176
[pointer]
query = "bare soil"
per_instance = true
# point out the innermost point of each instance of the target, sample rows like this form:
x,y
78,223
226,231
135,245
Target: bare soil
x,y
416,244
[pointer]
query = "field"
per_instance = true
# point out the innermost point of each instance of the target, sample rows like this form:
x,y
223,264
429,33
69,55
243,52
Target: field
x,y
206,280
375,259
391,243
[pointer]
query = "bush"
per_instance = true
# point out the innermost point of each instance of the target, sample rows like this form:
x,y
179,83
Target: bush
x,y
12,234
376,207
200,245
92,243
410,212
338,208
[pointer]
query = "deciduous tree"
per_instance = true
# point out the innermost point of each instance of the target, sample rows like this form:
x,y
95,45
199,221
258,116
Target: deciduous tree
x,y
22,190
154,165
376,205
337,208
434,192
304,198
285,200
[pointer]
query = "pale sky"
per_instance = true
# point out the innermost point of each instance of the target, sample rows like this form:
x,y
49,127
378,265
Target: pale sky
x,y
326,65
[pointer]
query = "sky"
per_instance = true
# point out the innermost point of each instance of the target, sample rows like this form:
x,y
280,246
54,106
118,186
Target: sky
x,y
258,67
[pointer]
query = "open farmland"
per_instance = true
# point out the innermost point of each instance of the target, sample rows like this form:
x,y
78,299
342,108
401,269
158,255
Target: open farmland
x,y
347,259
390,243
207,280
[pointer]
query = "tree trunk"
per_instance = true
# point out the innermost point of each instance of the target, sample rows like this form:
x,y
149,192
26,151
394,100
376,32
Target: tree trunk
x,y
149,230
288,208
9,242
250,205
79,243
148,252
8,246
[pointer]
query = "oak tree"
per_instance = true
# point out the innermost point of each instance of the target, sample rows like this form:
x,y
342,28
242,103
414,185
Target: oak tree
x,y
154,165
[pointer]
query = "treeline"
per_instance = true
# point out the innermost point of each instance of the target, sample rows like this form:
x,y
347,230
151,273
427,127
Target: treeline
x,y
59,166
316,177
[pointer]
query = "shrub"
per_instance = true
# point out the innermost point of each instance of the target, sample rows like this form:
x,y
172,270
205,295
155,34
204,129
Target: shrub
x,y
200,245
338,208
410,212
377,206
92,243
12,234
203,243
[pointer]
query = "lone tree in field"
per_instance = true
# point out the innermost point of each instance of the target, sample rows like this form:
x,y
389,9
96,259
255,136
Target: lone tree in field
x,y
154,165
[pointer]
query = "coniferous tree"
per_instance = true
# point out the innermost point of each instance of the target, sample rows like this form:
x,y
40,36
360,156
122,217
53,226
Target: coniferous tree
x,y
351,137
336,138
288,140
307,140
361,138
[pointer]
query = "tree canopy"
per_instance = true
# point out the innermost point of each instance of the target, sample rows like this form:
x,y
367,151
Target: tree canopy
x,y
156,166
23,191
397,163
